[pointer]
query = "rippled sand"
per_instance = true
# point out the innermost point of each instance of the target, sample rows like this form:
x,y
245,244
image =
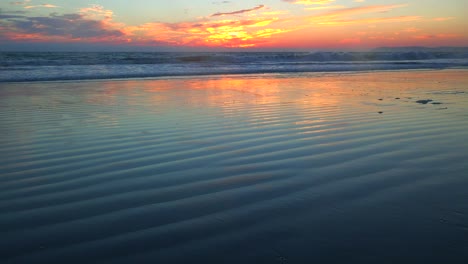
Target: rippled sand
x,y
288,168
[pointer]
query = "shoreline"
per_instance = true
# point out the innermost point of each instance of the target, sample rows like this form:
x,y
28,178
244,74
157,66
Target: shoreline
x,y
214,76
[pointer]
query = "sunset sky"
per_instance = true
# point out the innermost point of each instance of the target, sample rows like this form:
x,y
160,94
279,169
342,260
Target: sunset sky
x,y
259,24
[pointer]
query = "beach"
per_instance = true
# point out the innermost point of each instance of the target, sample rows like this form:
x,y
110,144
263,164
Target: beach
x,y
340,167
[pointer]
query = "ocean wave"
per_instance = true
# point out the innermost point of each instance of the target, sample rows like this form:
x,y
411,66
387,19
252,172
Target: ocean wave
x,y
112,58
17,67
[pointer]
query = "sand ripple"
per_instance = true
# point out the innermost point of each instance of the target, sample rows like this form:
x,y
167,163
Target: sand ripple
x,y
266,169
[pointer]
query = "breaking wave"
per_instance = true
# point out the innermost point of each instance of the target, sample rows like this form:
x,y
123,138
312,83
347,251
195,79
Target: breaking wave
x,y
49,66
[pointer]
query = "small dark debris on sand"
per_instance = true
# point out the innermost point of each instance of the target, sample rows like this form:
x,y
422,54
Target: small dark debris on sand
x,y
398,98
380,99
444,108
424,101
436,103
380,112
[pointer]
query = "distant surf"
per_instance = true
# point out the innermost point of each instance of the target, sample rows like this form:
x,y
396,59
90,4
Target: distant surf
x,y
50,66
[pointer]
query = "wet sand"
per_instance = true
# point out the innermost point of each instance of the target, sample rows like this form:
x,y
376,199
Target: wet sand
x,y
287,168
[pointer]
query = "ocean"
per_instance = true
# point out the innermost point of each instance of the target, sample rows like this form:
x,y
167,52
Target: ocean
x,y
55,66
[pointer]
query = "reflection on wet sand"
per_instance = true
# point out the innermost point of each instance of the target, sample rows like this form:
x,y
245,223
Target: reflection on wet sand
x,y
306,168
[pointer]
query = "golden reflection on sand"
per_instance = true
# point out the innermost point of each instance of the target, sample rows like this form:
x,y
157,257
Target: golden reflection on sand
x,y
259,98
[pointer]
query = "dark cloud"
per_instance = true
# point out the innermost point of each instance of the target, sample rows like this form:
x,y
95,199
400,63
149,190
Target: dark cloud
x,y
238,11
2,16
67,25
11,14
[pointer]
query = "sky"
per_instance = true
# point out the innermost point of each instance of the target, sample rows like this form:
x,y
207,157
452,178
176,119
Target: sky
x,y
241,24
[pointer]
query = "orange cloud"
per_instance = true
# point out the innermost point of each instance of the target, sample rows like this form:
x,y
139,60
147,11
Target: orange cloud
x,y
96,12
362,10
325,7
39,6
228,33
341,22
338,17
275,13
443,18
